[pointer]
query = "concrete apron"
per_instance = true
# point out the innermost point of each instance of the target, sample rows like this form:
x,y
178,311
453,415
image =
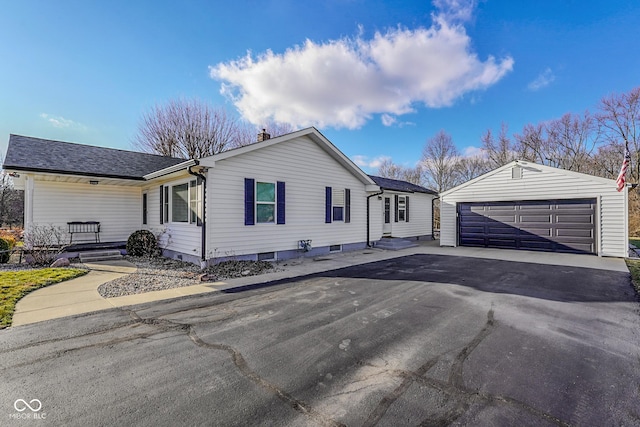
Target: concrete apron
x,y
80,295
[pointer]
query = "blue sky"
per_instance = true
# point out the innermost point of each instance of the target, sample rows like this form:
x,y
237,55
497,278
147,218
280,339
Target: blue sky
x,y
377,78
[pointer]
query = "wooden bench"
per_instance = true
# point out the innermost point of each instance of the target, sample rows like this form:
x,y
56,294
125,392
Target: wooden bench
x,y
76,227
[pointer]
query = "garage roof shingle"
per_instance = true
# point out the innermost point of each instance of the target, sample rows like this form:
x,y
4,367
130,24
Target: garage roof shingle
x,y
398,185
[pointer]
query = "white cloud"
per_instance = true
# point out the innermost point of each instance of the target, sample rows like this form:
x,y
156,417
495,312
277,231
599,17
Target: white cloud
x,y
472,151
60,122
543,80
366,162
343,83
388,120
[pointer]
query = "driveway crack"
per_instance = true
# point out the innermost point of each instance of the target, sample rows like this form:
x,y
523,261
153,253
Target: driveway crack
x,y
241,364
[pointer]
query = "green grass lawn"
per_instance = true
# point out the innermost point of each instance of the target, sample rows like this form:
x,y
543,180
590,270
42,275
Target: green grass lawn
x,y
634,269
16,284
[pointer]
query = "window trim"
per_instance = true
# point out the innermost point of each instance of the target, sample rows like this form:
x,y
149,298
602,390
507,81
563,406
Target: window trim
x,y
175,200
337,205
257,202
166,205
167,202
402,211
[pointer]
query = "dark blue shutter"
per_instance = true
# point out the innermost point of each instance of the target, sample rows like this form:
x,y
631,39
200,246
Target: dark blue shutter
x,y
249,189
327,205
396,200
280,202
347,205
406,209
162,204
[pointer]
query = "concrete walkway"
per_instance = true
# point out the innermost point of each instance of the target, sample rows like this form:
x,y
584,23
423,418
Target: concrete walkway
x,y
80,295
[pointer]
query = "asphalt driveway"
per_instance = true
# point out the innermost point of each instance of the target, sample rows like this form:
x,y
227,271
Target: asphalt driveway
x,y
417,340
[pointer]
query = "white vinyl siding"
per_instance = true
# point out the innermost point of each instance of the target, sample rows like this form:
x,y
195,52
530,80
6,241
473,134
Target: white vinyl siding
x,y
544,183
307,170
181,237
420,219
117,208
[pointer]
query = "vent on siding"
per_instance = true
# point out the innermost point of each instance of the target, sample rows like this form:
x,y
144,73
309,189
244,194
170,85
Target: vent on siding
x,y
516,172
267,256
335,248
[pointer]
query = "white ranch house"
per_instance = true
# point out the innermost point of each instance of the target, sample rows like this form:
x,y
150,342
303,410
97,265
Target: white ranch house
x,y
283,197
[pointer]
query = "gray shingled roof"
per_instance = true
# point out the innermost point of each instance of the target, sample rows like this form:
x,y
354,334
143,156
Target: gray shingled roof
x,y
398,185
43,155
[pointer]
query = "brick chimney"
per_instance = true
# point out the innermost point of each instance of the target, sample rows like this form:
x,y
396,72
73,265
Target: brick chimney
x,y
263,136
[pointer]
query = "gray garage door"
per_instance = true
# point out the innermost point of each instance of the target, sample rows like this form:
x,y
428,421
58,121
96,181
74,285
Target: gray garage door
x,y
548,225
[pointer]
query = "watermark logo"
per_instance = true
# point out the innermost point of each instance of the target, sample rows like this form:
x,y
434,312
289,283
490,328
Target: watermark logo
x,y
21,405
28,410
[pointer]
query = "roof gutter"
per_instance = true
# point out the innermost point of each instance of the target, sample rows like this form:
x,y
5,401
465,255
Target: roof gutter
x,y
203,237
172,169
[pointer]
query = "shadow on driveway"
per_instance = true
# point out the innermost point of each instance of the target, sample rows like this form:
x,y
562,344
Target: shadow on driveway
x,y
550,282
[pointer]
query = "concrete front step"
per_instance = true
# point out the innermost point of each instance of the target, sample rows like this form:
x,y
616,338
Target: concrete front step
x,y
99,256
395,244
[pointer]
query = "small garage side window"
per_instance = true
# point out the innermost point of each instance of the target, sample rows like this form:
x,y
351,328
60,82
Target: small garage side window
x,y
402,208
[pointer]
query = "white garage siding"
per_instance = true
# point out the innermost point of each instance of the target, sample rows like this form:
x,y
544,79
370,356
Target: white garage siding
x,y
544,183
306,169
117,208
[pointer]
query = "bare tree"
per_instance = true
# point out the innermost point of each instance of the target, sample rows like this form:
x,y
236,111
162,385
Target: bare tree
x,y
247,132
413,175
619,119
439,158
388,169
571,140
188,129
500,151
531,144
606,161
468,168
11,201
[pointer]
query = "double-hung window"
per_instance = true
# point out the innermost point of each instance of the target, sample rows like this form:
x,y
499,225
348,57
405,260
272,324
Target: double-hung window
x,y
265,202
337,204
402,208
195,201
181,203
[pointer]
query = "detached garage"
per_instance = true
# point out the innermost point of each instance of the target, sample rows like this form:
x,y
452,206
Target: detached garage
x,y
527,206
